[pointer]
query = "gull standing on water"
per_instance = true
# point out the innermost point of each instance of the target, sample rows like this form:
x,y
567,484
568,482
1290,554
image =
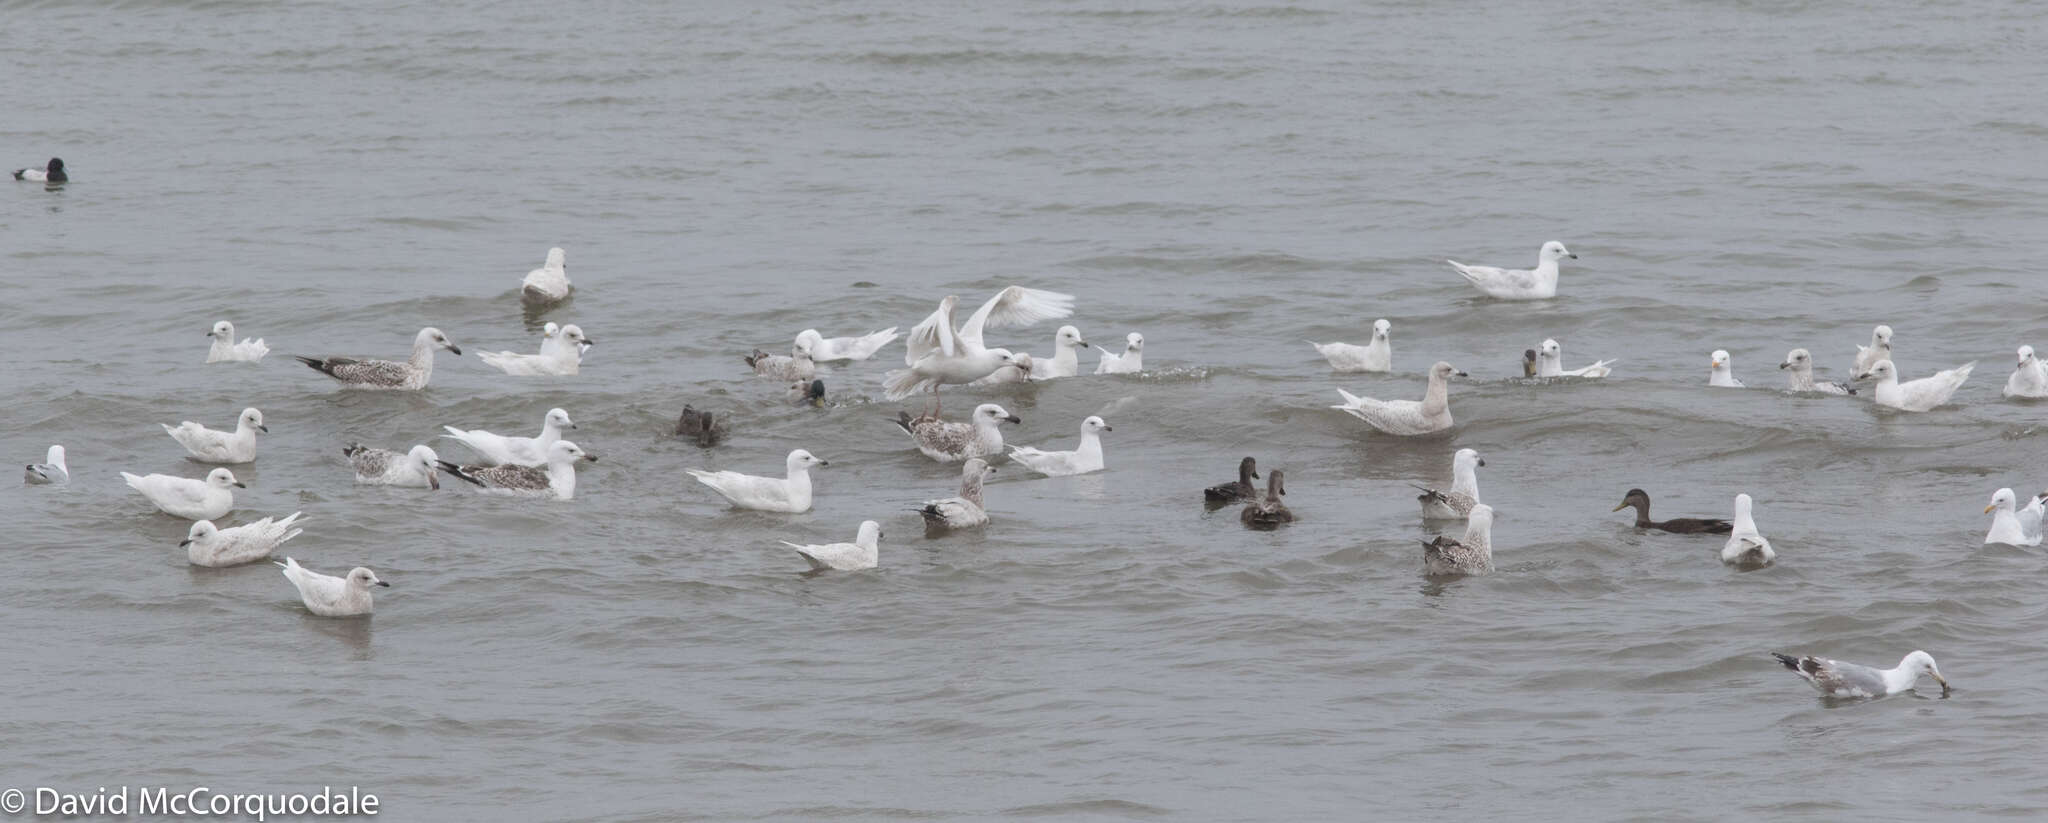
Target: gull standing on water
x,y
557,478
187,498
387,374
207,545
947,442
1915,395
1799,362
1471,554
790,493
966,510
1721,371
1132,361
1408,417
1064,362
1519,284
2030,379
1083,459
828,349
225,350
938,353
497,449
863,553
51,470
1464,494
384,467
1835,678
1745,546
212,446
2005,522
550,282
1376,356
560,355
330,596
1880,348
1550,363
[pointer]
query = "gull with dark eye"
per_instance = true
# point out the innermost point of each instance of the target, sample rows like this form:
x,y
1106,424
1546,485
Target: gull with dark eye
x,y
1468,555
962,512
497,449
207,545
409,375
980,436
1464,493
790,493
1408,417
2030,378
416,468
185,497
829,349
51,470
1085,458
330,596
1065,361
2006,527
1799,368
1880,348
224,349
1132,361
1721,371
1539,283
1835,678
556,478
213,446
863,553
1374,356
1919,395
1550,363
560,355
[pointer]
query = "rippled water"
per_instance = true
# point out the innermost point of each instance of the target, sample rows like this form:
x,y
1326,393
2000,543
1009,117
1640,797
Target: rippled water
x,y
1227,179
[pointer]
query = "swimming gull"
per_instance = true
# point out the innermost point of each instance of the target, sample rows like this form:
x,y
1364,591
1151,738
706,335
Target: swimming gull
x,y
828,349
701,426
566,357
1721,371
1377,356
387,374
1550,363
498,449
938,353
1519,284
208,545
1464,494
796,365
384,467
946,442
213,446
1915,395
1242,489
1835,678
965,511
862,553
1745,546
557,478
1880,348
2030,378
808,394
1269,513
330,596
1064,362
51,172
2030,516
1680,525
188,498
1132,361
225,350
789,493
550,282
1471,554
2005,522
1018,370
1408,417
1082,460
51,470
1799,364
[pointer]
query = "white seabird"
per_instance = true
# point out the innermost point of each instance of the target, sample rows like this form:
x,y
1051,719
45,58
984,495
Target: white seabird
x,y
1880,348
330,596
1375,356
1550,363
563,356
1721,371
1915,395
224,349
1835,678
1745,546
828,349
1799,365
1064,362
789,493
1408,417
184,497
2005,522
550,282
1519,284
383,467
51,470
213,446
496,449
208,545
863,553
938,353
946,442
1464,494
2030,378
966,510
387,374
1083,459
1132,361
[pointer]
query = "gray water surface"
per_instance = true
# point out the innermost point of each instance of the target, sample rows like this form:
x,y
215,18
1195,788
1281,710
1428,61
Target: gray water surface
x,y
1226,179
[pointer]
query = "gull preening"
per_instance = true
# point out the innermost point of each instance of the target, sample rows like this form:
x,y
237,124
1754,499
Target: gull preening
x,y
1745,546
213,446
1835,678
789,493
1519,284
2030,378
828,349
946,442
208,545
1083,459
1408,417
1065,361
1375,356
1880,348
1132,361
51,172
1721,371
1269,512
387,374
550,282
1471,554
225,350
1799,365
2005,522
330,596
1915,395
185,497
966,510
1464,494
938,353
703,427
863,553
384,467
496,449
796,365
1241,489
1018,370
560,355
556,479
51,470
1550,363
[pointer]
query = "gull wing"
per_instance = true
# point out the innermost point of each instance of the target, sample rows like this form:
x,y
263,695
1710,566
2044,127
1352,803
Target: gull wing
x,y
1016,306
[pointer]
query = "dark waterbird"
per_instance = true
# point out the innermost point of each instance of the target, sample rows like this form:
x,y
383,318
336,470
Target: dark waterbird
x,y
702,426
1269,513
1247,471
1683,525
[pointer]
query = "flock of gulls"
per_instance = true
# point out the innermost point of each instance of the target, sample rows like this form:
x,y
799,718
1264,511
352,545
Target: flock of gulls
x,y
943,350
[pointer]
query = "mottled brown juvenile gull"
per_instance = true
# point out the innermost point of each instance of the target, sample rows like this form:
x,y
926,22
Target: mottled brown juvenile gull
x,y
1835,678
386,374
1799,364
1464,492
945,442
1471,554
796,365
384,467
966,510
556,479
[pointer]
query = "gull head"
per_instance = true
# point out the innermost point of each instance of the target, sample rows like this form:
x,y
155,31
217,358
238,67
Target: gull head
x,y
801,459
810,337
1445,371
1094,425
1022,362
1882,370
1480,519
201,530
995,414
1467,459
550,330
1550,351
2026,355
223,330
1134,342
802,348
870,534
557,259
362,578
1554,251
424,459
1381,328
1881,337
565,452
1004,357
559,419
1919,663
573,335
55,456
253,419
1799,359
433,336
1720,360
2001,500
1068,337
1742,506
222,478
976,468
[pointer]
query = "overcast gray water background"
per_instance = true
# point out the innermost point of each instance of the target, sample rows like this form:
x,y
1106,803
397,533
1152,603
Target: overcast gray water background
x,y
1228,180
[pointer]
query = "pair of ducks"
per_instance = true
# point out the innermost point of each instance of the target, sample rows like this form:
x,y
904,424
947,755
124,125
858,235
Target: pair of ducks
x,y
1262,513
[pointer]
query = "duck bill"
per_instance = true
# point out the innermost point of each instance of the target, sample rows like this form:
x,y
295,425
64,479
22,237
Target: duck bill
x,y
1623,505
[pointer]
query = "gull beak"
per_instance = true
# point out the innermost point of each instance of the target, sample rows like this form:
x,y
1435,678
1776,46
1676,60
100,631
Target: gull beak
x,y
384,584
572,425
457,350
184,543
262,428
590,457
1571,255
1482,461
1461,374
1083,344
1939,679
241,485
1785,365
1624,505
1987,509
824,462
1014,419
588,342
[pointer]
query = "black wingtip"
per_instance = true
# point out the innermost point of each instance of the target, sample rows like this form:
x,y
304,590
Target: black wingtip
x,y
903,420
453,469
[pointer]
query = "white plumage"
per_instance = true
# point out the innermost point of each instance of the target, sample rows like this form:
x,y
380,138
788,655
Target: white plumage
x,y
184,497
497,449
51,470
1519,284
1375,356
207,545
550,282
1880,348
1065,360
1550,363
789,493
224,349
330,596
2005,522
1745,545
561,355
1083,459
828,349
1132,361
1915,395
863,553
2030,378
212,446
937,353
1721,371
1407,417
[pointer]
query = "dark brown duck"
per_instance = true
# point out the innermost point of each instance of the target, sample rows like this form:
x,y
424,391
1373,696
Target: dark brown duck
x,y
1243,489
1683,525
